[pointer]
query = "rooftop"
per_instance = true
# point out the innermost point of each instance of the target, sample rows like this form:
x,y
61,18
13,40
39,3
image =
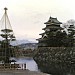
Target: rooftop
x,y
52,20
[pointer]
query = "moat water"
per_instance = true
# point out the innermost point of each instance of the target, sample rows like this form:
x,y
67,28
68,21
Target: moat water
x,y
30,63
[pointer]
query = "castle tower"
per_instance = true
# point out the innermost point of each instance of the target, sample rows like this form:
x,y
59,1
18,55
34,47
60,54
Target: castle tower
x,y
52,27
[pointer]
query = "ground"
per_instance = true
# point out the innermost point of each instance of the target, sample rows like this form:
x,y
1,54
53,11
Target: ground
x,y
21,72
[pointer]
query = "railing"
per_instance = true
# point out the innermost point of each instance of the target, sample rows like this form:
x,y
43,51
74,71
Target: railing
x,y
12,66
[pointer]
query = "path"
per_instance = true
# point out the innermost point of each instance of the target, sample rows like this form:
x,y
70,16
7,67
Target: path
x,y
21,72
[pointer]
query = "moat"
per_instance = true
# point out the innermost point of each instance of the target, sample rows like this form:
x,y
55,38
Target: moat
x,y
30,63
52,68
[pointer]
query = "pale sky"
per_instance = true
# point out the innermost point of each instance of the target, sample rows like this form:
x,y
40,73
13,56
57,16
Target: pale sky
x,y
27,17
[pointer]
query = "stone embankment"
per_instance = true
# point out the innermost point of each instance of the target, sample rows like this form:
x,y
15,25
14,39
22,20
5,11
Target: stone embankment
x,y
56,60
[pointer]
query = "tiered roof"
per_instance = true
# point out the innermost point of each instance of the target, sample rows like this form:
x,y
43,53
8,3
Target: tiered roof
x,y
52,21
52,25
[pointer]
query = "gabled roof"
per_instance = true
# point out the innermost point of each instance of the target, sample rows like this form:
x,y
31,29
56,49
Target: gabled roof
x,y
52,20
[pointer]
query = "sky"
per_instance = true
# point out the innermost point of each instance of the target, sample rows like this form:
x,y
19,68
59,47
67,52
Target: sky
x,y
27,17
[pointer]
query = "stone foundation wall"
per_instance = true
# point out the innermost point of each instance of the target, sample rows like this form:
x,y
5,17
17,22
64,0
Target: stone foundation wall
x,y
56,59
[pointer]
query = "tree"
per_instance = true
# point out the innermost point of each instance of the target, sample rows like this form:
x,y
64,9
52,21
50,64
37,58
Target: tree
x,y
6,49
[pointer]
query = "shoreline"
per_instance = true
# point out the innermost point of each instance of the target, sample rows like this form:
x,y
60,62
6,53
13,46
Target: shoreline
x,y
21,72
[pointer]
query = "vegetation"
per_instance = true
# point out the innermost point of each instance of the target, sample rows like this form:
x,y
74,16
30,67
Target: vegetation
x,y
7,35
